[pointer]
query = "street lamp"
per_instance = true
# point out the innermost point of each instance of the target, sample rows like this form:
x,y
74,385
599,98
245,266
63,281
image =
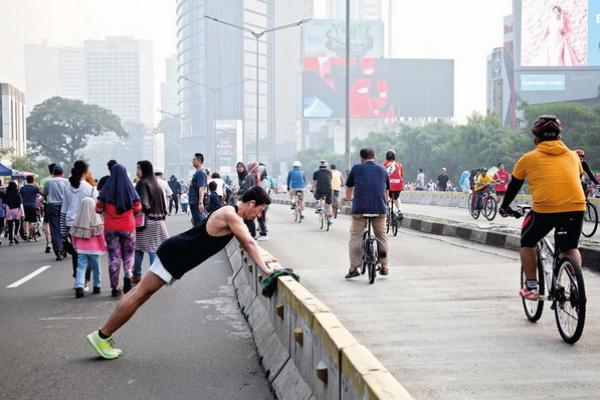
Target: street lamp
x,y
214,92
257,36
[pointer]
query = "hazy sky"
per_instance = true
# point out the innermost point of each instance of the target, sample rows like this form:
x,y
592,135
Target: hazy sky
x,y
465,30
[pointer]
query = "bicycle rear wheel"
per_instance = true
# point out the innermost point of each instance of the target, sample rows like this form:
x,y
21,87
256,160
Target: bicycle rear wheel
x,y
590,224
327,223
535,308
322,220
335,208
394,226
470,202
569,300
490,209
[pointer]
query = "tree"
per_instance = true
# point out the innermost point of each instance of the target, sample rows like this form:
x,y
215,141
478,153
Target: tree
x,y
39,168
59,128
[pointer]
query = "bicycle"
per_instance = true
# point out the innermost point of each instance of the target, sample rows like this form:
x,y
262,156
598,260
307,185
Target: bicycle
x,y
566,289
324,217
296,212
489,205
370,261
590,219
391,220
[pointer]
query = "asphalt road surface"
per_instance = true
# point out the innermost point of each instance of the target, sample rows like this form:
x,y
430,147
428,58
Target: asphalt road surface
x,y
447,322
188,342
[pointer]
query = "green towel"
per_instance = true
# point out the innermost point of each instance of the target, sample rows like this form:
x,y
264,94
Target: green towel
x,y
269,283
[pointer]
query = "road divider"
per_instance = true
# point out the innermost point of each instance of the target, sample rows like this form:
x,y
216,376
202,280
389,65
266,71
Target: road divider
x,y
305,350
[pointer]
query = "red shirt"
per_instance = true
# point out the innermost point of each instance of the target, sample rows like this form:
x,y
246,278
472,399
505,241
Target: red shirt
x,y
501,178
396,174
118,222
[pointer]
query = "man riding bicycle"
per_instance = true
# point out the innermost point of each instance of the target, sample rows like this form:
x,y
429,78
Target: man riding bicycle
x,y
370,184
296,183
396,173
587,170
553,172
321,186
482,183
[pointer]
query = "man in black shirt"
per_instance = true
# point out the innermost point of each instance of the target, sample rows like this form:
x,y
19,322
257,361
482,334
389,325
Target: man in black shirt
x,y
181,253
442,180
176,189
322,186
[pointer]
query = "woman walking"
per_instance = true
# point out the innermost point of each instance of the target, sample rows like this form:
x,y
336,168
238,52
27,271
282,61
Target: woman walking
x,y
119,201
154,231
14,212
78,190
87,234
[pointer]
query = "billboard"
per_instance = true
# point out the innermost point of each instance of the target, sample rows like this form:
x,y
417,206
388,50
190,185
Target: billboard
x,y
327,38
560,33
228,139
379,88
542,83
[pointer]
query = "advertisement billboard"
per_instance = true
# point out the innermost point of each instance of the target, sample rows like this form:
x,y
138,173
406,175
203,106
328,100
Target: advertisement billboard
x,y
327,38
227,145
542,83
563,33
379,88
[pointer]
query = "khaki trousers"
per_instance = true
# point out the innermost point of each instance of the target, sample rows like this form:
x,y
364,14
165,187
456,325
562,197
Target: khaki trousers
x,y
359,224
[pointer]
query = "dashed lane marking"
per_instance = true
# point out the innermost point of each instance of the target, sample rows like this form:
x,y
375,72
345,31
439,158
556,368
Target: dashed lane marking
x,y
28,277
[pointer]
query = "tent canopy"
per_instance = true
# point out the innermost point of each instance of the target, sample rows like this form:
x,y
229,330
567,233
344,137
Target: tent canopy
x,y
4,171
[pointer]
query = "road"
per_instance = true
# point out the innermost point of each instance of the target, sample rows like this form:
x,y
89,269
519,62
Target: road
x,y
447,321
188,342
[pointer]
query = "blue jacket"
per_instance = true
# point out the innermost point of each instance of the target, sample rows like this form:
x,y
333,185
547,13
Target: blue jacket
x,y
296,179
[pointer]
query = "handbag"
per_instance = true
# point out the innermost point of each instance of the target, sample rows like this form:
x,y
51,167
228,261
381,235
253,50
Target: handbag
x,y
140,221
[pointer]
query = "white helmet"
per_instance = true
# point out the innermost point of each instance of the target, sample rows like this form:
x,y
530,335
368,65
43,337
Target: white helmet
x,y
296,164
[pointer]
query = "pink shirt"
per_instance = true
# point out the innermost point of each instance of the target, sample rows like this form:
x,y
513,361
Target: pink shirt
x,y
94,245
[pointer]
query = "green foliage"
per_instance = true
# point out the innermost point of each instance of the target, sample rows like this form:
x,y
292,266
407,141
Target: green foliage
x,y
59,128
40,168
310,159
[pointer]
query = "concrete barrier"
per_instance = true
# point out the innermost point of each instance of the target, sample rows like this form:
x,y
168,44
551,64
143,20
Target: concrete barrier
x,y
304,349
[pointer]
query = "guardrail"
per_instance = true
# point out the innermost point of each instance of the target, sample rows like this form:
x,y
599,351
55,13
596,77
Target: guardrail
x,y
305,350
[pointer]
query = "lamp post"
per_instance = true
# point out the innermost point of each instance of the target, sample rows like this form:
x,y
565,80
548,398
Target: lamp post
x,y
257,36
214,91
347,144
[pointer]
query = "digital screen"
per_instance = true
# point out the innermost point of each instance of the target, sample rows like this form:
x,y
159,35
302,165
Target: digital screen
x,y
379,88
560,33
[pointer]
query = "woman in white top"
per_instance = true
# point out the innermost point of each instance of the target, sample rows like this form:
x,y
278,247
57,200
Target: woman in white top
x,y
79,188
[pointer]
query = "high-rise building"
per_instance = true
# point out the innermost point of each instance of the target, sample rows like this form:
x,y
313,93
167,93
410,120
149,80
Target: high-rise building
x,y
120,76
168,88
62,74
210,58
13,134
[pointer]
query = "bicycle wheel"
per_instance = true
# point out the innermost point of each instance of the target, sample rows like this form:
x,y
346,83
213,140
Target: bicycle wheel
x,y
470,202
490,209
535,308
327,223
322,219
590,224
394,226
372,260
335,208
569,300
475,212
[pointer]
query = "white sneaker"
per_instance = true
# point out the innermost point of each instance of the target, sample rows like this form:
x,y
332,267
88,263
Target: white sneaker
x,y
262,238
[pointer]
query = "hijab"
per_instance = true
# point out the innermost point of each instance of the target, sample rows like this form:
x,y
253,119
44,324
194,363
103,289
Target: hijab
x,y
241,175
87,222
12,197
118,190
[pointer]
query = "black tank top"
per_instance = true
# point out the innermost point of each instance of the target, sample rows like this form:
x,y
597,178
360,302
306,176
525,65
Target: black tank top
x,y
185,251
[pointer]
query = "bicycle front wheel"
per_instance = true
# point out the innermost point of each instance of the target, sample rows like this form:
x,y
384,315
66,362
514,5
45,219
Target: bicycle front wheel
x,y
535,308
590,220
394,226
569,300
490,209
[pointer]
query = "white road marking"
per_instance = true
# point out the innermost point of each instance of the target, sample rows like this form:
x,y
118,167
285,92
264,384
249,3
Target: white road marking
x,y
67,318
28,277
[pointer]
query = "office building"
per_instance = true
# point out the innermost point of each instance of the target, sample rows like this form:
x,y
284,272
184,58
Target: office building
x,y
13,133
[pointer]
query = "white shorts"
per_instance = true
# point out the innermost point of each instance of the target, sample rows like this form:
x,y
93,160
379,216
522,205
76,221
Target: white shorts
x,y
158,269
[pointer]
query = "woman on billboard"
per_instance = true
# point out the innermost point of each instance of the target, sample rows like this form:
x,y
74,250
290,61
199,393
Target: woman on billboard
x,y
557,51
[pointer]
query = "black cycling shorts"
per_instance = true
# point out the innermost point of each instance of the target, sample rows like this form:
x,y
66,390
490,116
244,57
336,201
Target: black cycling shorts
x,y
328,197
567,229
395,195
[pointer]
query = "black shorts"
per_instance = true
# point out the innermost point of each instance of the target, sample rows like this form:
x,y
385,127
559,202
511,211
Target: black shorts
x,y
328,197
30,214
46,218
499,193
567,229
395,195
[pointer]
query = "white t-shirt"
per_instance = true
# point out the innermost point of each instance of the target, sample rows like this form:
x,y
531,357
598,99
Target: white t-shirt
x,y
421,181
167,192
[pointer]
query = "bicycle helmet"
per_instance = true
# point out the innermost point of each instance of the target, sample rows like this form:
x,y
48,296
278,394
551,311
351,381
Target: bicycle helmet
x,y
322,164
296,164
580,153
546,127
390,155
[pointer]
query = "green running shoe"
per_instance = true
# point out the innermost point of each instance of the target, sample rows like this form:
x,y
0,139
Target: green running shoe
x,y
104,347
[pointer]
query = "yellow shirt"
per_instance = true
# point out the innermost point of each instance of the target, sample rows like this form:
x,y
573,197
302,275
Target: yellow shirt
x,y
483,181
553,172
336,181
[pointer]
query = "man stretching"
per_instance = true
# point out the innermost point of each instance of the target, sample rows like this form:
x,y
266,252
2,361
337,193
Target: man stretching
x,y
179,254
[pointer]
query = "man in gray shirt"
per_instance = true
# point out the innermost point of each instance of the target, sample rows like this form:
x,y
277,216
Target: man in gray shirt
x,y
54,190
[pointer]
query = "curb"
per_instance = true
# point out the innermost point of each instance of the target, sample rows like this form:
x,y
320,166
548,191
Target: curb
x,y
306,352
508,238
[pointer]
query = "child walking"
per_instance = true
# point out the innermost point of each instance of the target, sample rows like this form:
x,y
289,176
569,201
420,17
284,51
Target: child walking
x,y
87,234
